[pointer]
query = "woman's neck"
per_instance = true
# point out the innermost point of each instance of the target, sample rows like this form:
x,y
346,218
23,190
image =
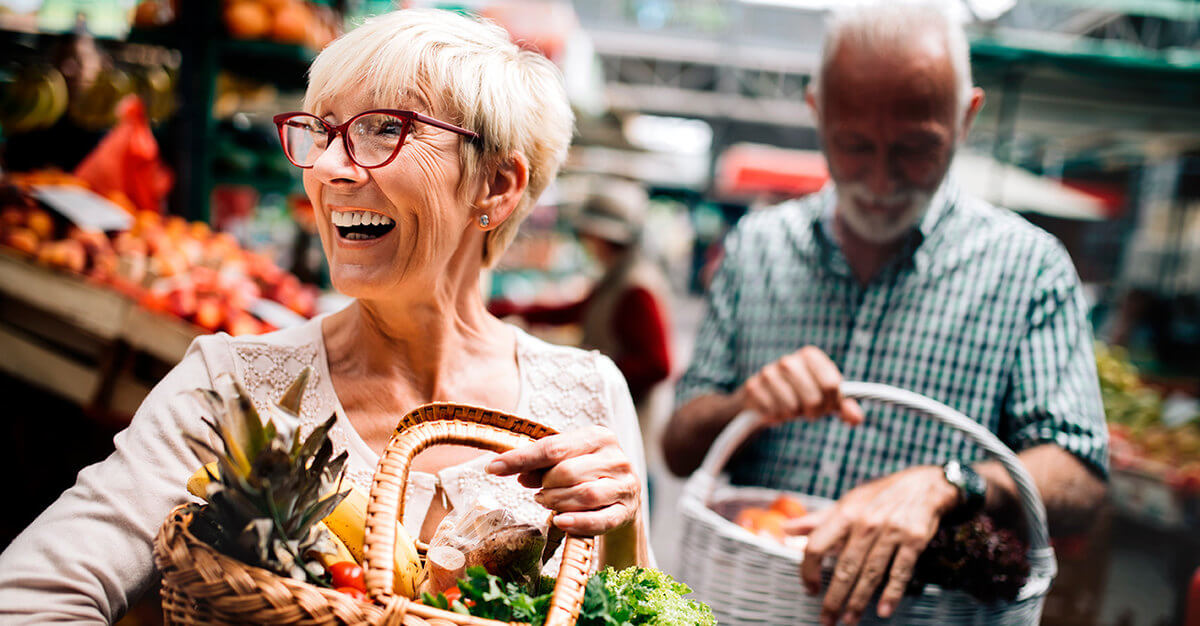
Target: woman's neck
x,y
426,341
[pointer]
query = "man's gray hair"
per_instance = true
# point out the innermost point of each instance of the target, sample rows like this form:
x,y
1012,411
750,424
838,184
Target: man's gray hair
x,y
877,25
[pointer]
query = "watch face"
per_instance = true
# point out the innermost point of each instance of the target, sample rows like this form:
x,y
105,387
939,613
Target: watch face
x,y
954,473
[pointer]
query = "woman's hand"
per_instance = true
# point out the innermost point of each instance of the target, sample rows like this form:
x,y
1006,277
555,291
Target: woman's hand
x,y
584,477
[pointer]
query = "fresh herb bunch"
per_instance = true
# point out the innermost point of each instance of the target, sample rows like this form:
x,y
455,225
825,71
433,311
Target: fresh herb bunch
x,y
631,597
266,502
975,556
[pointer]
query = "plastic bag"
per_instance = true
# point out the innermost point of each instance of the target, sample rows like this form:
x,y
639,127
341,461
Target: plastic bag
x,y
485,534
126,160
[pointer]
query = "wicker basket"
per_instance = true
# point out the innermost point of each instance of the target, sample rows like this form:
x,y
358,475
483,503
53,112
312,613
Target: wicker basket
x,y
202,586
747,579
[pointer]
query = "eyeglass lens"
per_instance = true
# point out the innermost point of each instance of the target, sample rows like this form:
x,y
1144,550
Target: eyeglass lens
x,y
373,139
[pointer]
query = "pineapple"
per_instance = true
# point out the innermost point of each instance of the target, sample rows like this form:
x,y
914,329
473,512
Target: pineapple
x,y
272,488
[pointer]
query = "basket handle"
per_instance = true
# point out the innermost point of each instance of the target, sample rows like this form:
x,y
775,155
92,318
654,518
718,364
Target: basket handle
x,y
446,423
1041,555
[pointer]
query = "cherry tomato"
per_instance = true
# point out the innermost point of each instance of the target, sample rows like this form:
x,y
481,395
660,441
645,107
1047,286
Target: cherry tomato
x,y
347,574
452,594
353,592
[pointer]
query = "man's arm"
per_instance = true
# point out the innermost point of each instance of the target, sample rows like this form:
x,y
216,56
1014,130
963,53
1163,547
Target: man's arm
x,y
694,427
1070,490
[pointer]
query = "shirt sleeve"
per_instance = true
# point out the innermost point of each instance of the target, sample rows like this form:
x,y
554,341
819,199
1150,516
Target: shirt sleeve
x,y
645,357
624,424
713,367
90,554
1054,392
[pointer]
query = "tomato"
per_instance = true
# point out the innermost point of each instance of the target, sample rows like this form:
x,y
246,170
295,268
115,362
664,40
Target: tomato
x,y
452,594
353,592
347,574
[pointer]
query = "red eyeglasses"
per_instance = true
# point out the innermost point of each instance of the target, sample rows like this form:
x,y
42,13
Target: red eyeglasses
x,y
373,138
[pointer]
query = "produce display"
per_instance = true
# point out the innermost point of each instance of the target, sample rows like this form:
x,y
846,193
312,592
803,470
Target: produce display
x,y
282,21
167,264
1140,439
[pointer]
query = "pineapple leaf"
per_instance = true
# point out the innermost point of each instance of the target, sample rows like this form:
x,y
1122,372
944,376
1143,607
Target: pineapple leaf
x,y
317,437
247,423
234,460
321,509
334,468
210,402
290,401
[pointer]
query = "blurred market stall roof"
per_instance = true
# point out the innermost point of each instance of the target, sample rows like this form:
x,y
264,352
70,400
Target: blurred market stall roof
x,y
751,170
1023,191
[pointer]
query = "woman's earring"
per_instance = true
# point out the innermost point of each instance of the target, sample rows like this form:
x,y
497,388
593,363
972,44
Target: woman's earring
x,y
484,220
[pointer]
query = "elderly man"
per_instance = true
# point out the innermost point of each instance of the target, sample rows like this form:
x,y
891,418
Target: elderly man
x,y
894,275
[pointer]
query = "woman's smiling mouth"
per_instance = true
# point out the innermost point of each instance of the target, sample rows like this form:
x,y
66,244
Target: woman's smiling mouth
x,y
361,225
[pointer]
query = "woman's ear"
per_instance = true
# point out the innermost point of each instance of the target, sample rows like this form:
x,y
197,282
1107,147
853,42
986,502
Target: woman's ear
x,y
501,191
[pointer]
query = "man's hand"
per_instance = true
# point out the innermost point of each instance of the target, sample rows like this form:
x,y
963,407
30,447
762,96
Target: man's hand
x,y
584,476
804,383
878,531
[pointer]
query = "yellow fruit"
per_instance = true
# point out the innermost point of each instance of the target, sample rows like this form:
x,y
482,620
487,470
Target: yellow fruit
x,y
341,552
348,523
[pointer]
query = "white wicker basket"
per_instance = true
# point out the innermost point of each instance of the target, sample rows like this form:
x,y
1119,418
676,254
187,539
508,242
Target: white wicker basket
x,y
748,579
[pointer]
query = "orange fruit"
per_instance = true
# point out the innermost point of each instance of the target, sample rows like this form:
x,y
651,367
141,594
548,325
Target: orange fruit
x,y
40,223
771,523
247,19
291,24
748,518
789,506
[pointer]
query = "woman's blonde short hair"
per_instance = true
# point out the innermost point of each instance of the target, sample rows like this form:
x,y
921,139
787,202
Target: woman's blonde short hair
x,y
476,77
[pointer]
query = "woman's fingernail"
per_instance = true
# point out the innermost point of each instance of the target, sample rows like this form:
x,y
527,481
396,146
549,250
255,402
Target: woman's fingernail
x,y
566,519
496,467
811,589
885,609
850,619
537,495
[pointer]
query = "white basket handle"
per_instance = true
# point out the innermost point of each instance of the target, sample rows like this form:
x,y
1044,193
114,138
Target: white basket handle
x,y
1041,555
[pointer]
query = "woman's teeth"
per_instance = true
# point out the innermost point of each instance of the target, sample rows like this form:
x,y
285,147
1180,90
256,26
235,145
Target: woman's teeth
x,y
356,225
360,218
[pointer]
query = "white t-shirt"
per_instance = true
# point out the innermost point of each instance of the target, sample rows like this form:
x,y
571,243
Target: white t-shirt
x,y
89,555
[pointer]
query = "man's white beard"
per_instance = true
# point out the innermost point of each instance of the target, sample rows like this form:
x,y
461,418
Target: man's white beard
x,y
880,228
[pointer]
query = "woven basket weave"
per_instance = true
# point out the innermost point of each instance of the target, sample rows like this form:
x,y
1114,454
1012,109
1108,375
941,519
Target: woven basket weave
x,y
202,586
748,579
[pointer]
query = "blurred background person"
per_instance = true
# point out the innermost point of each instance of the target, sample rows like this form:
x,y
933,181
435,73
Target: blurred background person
x,y
625,315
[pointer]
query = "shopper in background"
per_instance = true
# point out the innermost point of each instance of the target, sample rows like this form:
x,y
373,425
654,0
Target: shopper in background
x,y
411,203
625,314
894,275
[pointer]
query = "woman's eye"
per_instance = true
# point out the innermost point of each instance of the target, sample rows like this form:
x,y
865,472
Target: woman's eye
x,y
390,128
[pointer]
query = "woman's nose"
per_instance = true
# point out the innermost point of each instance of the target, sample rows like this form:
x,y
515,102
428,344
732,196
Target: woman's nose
x,y
334,163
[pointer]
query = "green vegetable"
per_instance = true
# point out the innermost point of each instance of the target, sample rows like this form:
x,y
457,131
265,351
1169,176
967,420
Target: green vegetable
x,y
630,597
639,595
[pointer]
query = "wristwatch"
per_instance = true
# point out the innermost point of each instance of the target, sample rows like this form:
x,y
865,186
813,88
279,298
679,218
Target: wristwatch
x,y
972,488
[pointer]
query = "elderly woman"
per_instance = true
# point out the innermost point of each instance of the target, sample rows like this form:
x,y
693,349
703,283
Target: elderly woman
x,y
426,138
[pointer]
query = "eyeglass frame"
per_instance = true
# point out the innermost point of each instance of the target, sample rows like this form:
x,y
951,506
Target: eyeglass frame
x,y
340,129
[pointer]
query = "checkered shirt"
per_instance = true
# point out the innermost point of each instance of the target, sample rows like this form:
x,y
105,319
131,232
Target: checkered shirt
x,y
981,310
